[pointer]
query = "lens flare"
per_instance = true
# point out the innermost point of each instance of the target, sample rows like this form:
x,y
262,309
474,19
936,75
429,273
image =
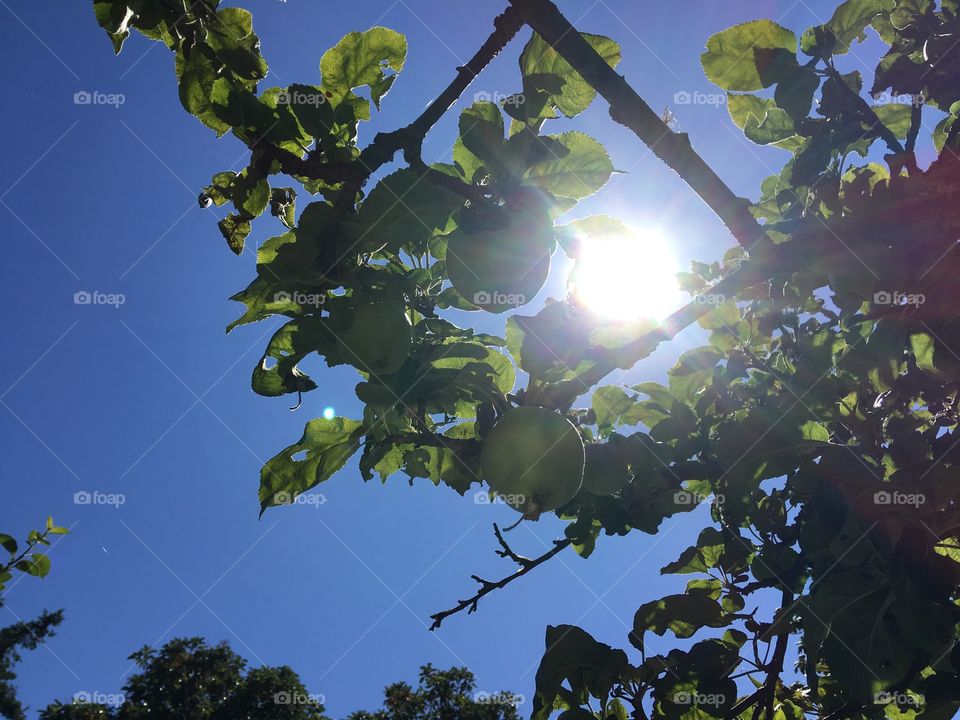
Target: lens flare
x,y
329,413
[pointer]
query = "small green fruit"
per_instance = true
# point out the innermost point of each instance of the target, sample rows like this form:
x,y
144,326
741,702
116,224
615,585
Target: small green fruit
x,y
533,458
379,338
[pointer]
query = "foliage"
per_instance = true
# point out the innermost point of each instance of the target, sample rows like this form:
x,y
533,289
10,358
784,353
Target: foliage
x,y
442,694
818,423
23,635
13,638
187,679
25,560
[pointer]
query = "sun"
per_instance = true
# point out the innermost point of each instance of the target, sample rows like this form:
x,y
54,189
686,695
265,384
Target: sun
x,y
626,276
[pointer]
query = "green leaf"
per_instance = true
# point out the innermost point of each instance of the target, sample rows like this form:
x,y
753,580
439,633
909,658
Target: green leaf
x,y
481,132
896,116
8,543
37,565
775,126
197,76
251,192
579,166
360,59
590,668
741,57
277,373
546,72
683,615
850,21
231,35
235,228
326,446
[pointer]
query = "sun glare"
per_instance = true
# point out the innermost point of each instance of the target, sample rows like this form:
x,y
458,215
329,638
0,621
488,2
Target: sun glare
x,y
626,277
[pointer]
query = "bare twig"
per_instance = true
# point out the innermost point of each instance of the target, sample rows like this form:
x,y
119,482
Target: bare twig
x,y
487,586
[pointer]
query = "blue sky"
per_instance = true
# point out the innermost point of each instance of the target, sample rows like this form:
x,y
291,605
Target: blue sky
x,y
151,400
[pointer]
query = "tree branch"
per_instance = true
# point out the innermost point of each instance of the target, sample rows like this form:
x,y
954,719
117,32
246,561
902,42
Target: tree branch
x,y
629,109
386,145
486,586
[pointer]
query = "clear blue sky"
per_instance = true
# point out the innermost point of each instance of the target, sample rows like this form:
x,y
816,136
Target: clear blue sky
x,y
151,400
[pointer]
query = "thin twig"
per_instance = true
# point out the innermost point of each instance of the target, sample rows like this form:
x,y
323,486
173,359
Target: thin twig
x,y
487,586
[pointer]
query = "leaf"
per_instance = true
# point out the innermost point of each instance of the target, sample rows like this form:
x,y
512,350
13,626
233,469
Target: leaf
x,y
741,57
360,59
683,615
896,116
326,446
481,133
37,565
775,126
197,75
542,67
251,192
850,21
8,543
235,228
277,373
578,167
573,656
